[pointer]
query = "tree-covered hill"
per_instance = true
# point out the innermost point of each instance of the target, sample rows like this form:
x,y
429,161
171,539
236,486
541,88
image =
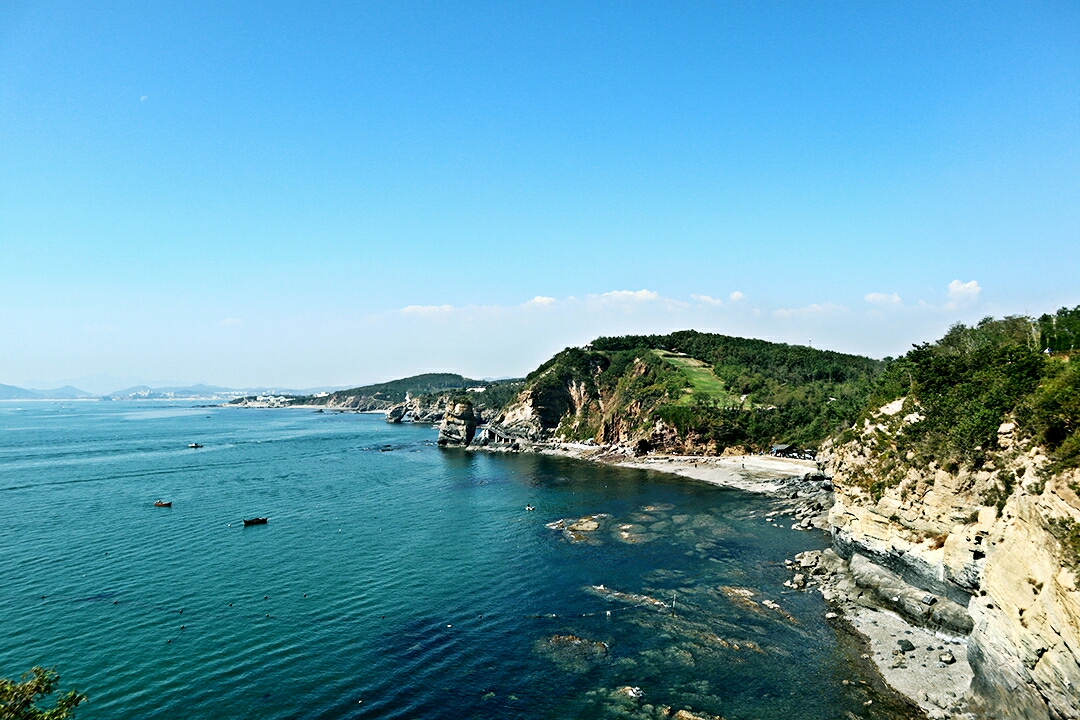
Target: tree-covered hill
x,y
697,392
383,395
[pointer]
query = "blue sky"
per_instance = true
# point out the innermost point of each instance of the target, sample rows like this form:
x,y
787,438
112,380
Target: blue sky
x,y
260,193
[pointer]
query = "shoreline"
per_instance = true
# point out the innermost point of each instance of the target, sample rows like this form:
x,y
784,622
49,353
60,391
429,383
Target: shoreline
x,y
936,688
761,474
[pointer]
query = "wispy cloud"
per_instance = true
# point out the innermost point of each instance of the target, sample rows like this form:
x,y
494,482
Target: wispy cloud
x,y
814,310
427,310
707,300
499,339
883,299
231,322
631,295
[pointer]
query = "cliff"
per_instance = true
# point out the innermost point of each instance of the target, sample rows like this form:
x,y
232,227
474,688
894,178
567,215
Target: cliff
x,y
1007,566
963,491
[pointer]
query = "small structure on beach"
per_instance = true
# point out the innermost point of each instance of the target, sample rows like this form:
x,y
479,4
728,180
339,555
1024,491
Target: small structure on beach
x,y
791,451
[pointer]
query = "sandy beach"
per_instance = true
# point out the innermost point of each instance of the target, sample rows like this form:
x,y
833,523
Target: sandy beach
x,y
754,473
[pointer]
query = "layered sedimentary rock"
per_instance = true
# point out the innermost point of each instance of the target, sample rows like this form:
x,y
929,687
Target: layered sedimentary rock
x,y
986,540
458,426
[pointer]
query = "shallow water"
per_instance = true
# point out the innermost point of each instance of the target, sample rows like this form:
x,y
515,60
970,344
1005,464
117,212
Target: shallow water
x,y
393,580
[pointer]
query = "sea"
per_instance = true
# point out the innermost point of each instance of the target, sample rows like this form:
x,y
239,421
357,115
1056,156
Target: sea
x,y
393,578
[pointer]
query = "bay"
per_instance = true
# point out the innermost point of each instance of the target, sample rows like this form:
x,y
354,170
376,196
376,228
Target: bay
x,y
393,579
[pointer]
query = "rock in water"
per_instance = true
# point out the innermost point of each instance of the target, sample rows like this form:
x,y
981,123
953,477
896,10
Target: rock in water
x,y
458,426
396,412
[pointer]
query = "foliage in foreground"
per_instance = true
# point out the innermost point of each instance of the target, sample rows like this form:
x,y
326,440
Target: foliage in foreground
x,y
20,700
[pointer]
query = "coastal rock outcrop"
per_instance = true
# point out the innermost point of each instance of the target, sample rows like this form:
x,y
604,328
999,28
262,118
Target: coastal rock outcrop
x,y
458,426
976,551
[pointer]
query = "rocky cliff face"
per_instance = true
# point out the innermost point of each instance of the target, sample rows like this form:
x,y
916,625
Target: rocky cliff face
x,y
423,409
577,405
429,409
354,403
988,540
458,426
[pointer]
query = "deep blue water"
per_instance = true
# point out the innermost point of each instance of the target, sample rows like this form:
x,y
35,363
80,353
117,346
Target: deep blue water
x,y
393,580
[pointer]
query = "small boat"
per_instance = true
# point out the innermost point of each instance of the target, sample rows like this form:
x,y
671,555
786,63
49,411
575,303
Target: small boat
x,y
255,521
162,503
194,445
529,508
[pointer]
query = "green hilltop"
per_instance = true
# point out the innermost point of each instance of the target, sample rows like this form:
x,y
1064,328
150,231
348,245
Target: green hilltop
x,y
711,392
394,390
706,393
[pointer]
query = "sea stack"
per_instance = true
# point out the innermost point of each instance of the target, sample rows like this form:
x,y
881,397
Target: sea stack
x,y
458,425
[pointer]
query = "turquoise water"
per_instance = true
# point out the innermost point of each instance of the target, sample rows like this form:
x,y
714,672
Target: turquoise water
x,y
393,580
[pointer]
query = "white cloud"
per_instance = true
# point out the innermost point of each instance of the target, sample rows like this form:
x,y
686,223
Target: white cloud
x,y
812,310
707,300
883,299
736,296
961,294
631,295
427,310
541,300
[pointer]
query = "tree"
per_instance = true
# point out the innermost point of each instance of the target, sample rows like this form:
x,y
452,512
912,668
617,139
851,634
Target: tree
x,y
18,700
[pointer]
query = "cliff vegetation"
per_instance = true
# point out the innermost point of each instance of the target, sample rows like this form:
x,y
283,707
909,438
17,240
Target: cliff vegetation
x,y
951,398
693,392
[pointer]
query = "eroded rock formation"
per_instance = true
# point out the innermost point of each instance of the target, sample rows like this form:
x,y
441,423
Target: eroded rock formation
x,y
986,544
458,426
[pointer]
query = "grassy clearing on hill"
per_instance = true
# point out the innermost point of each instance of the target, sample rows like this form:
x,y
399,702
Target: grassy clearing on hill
x,y
704,385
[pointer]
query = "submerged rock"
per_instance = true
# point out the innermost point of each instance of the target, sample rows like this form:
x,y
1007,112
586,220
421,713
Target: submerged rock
x,y
629,598
572,653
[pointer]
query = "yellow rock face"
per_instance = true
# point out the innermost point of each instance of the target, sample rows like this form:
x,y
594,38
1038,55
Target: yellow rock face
x,y
1021,594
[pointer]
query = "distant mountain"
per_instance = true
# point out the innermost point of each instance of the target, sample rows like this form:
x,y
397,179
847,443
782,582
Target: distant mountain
x,y
202,391
10,392
190,392
67,392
